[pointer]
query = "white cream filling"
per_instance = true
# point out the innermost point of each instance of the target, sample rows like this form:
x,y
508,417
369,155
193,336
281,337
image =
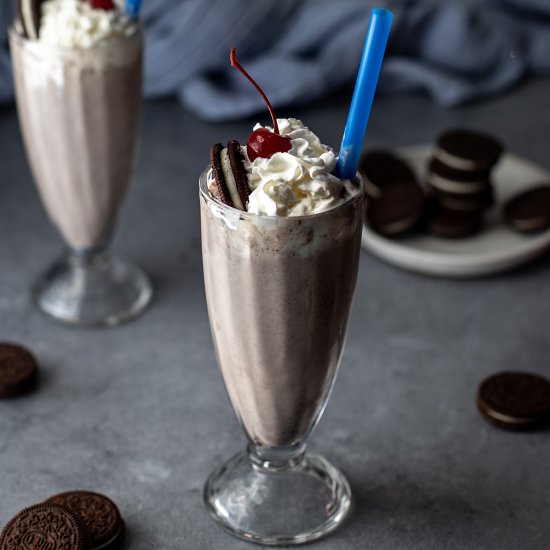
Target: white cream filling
x,y
230,180
28,19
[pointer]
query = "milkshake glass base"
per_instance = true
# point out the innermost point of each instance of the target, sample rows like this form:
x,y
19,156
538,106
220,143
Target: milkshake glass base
x,y
290,505
92,289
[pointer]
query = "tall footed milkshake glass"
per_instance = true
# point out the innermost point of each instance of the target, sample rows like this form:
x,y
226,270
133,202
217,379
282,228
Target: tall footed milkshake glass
x,y
79,111
279,292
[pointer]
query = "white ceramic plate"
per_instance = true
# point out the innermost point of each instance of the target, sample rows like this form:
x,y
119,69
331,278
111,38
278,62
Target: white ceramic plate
x,y
494,250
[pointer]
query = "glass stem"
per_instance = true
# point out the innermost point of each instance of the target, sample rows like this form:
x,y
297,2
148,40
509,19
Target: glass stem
x,y
89,257
276,459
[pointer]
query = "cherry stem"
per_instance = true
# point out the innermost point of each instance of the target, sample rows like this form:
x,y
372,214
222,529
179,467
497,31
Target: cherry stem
x,y
235,63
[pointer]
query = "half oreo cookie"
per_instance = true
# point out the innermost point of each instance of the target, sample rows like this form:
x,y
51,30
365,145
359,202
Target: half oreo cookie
x,y
230,180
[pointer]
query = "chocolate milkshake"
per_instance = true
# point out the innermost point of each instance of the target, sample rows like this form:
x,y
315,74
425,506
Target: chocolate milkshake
x,y
279,293
279,280
78,77
79,110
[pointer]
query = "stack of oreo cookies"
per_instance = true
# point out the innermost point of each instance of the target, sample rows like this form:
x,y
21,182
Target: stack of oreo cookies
x,y
459,182
456,194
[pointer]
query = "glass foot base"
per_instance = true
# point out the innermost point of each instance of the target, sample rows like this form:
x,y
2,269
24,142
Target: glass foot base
x,y
278,507
92,290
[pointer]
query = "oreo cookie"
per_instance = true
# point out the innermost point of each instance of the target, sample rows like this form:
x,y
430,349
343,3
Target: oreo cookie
x,y
468,150
99,515
381,169
475,202
28,13
529,211
44,526
230,180
398,210
458,182
18,370
452,224
515,400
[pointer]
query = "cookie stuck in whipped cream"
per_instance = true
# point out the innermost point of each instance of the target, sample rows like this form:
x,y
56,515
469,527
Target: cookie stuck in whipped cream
x,y
228,180
28,17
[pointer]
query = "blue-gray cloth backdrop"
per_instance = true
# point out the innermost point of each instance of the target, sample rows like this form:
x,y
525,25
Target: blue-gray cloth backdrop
x,y
299,50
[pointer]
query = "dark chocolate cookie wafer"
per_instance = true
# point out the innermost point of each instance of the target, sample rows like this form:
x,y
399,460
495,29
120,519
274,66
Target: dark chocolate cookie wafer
x,y
399,209
100,516
476,202
222,192
19,25
236,158
459,182
452,224
529,211
515,400
382,168
467,150
44,526
18,370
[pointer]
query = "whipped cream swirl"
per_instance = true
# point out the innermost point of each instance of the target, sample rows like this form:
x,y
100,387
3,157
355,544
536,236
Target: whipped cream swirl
x,y
74,24
296,183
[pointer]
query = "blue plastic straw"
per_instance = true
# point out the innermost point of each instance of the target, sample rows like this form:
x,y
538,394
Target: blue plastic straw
x,y
363,94
132,8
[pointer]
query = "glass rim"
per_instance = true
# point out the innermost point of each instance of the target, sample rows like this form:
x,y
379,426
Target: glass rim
x,y
203,189
21,40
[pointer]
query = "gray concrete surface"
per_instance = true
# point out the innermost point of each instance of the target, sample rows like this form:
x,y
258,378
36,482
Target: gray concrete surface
x,y
140,412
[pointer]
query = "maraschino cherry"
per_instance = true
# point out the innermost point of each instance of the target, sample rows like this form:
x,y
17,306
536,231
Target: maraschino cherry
x,y
107,5
262,142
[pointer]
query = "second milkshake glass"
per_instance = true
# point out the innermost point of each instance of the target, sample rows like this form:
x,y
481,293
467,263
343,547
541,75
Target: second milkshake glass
x,y
79,112
279,293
